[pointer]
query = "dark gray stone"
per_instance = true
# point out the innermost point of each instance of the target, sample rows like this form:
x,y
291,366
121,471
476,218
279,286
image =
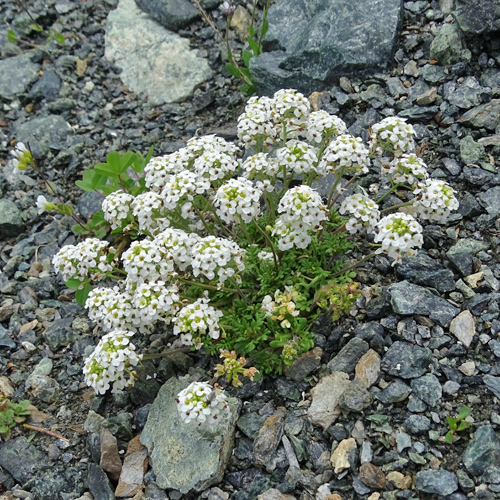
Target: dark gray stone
x,y
490,200
472,151
310,43
433,74
408,299
99,484
304,365
465,482
11,222
89,203
477,16
65,483
60,333
345,361
250,424
437,482
461,255
484,116
173,14
417,424
428,389
483,450
20,458
426,271
356,397
465,96
406,360
493,384
394,393
447,47
47,87
491,474
16,73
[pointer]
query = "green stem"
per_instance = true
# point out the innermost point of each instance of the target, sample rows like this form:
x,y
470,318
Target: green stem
x,y
212,287
347,184
337,180
400,205
354,266
269,241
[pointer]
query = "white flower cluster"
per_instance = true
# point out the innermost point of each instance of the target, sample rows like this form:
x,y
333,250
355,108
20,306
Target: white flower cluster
x,y
301,211
111,363
364,213
407,169
150,212
435,200
297,157
237,198
398,234
160,168
199,145
393,135
214,164
179,245
147,261
289,111
255,125
88,259
282,305
117,208
322,125
345,154
214,256
195,320
202,402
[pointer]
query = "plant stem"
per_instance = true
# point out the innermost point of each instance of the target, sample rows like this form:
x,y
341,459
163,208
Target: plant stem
x,y
45,431
165,354
269,241
347,184
212,287
354,266
400,205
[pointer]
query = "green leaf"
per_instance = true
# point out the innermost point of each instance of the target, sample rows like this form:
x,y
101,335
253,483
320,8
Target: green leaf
x,y
65,209
107,170
82,294
11,36
254,46
4,429
73,283
264,27
464,412
463,425
60,39
114,161
246,56
85,186
449,437
232,70
251,30
452,422
36,27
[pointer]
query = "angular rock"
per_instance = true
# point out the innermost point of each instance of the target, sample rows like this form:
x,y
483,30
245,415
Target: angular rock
x,y
483,450
426,271
312,42
47,87
437,482
368,368
408,299
447,47
324,408
134,467
274,494
472,151
153,59
461,255
406,360
61,482
372,476
344,455
11,222
399,480
493,384
187,457
20,458
490,200
173,14
349,355
355,397
304,365
110,459
428,389
60,333
477,16
465,96
464,328
394,393
250,424
268,440
417,424
16,73
99,484
484,116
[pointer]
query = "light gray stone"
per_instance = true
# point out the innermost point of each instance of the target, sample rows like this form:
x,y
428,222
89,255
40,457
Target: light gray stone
x,y
187,457
447,46
11,222
154,60
16,73
463,327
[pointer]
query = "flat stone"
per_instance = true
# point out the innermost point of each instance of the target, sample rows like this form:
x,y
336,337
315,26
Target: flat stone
x,y
394,393
173,14
427,97
16,73
468,368
355,397
417,424
437,482
304,365
110,459
324,408
406,360
464,328
345,361
465,96
154,60
428,389
477,16
267,441
472,151
490,200
250,424
493,384
399,480
61,482
11,222
99,484
20,458
408,299
312,42
187,457
483,450
368,368
135,465
274,494
60,333
344,455
447,46
484,116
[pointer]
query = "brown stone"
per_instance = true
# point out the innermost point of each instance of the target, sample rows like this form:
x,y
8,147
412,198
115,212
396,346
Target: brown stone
x,y
368,368
340,458
399,480
268,439
372,476
110,459
134,467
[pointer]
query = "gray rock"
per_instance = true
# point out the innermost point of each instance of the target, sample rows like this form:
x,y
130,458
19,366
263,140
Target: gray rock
x,y
452,166
408,299
483,450
463,327
250,424
89,203
472,151
66,483
184,456
99,484
406,360
465,482
484,116
356,397
60,333
426,271
467,95
403,441
140,47
394,393
304,365
428,389
267,441
493,384
477,16
16,73
417,424
11,222
495,347
433,74
44,134
312,42
47,87
437,482
451,387
447,46
173,14
490,200
461,255
20,458
346,360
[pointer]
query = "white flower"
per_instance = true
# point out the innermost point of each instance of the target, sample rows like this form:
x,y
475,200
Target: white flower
x,y
117,208
290,111
181,188
150,212
297,157
255,125
291,234
282,305
260,166
213,164
407,169
364,211
178,244
345,154
434,200
393,135
199,145
303,204
160,168
399,234
22,157
42,204
237,198
321,125
201,402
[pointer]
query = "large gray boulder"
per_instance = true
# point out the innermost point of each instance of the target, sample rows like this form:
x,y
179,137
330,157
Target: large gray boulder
x,y
478,16
310,43
187,457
